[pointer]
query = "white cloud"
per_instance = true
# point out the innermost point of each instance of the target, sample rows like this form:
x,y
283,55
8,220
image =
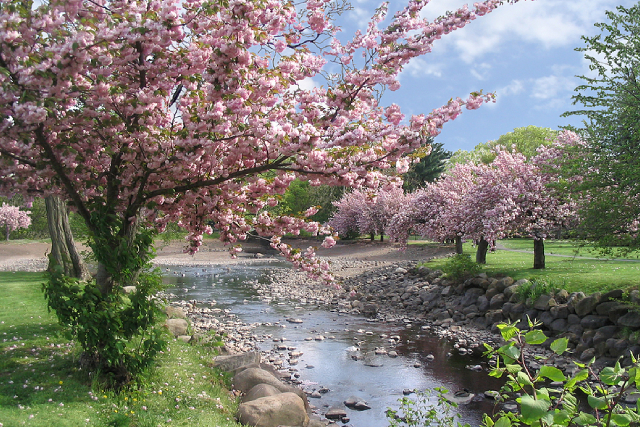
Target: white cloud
x,y
307,83
544,23
419,67
551,86
516,87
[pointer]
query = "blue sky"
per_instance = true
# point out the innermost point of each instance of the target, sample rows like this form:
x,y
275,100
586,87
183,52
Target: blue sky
x,y
522,52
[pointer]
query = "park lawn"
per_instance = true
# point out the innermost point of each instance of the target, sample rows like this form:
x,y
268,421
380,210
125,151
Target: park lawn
x,y
41,383
571,273
562,247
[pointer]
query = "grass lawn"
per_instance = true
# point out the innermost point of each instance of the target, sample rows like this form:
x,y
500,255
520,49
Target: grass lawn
x,y
572,273
42,385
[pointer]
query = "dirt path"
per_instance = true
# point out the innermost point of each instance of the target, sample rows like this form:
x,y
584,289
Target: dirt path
x,y
32,256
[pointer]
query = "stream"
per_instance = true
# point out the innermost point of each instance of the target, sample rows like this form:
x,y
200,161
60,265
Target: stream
x,y
328,339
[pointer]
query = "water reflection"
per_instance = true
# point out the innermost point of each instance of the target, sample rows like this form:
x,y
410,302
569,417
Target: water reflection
x,y
328,362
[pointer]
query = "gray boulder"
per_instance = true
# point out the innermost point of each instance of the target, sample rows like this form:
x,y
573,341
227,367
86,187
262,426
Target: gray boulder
x,y
630,320
234,361
246,379
175,312
177,326
259,391
273,411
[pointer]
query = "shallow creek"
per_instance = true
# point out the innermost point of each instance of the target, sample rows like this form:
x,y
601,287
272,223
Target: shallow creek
x,y
327,339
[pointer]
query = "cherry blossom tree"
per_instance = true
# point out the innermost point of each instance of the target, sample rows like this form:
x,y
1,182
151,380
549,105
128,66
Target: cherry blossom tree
x,y
12,218
362,212
487,202
437,211
142,112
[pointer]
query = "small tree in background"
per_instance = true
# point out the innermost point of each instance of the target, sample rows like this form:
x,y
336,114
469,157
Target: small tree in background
x,y
427,169
12,218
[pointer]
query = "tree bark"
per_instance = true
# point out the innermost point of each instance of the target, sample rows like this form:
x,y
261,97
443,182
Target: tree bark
x,y
459,245
481,252
382,237
538,254
63,248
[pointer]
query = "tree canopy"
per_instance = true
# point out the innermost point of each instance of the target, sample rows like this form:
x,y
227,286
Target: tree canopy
x,y
610,160
525,140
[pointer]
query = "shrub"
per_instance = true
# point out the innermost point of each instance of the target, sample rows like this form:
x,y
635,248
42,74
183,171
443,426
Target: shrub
x,y
460,266
534,288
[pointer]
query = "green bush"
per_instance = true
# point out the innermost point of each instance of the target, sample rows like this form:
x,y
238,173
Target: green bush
x,y
459,266
541,405
534,288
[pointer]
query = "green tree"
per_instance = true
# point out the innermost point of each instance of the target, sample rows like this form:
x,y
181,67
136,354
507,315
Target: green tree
x,y
428,169
609,163
525,140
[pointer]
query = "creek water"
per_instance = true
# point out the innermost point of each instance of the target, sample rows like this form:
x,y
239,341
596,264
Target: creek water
x,y
328,363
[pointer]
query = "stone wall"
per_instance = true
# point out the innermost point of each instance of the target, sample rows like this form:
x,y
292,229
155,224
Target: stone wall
x,y
604,325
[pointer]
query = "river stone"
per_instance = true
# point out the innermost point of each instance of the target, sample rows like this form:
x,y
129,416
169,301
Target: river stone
x,y
562,296
574,299
461,397
630,320
615,294
496,302
370,309
175,312
177,326
544,303
558,325
504,283
234,361
593,321
357,403
260,390
471,296
273,411
249,378
335,413
588,304
482,303
604,333
510,292
560,311
546,318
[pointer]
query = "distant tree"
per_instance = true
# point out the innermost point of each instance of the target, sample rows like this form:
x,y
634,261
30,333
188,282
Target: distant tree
x,y
362,212
427,169
525,140
12,218
301,195
610,160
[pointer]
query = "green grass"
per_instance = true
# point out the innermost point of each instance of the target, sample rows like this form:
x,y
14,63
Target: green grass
x,y
41,383
570,273
561,247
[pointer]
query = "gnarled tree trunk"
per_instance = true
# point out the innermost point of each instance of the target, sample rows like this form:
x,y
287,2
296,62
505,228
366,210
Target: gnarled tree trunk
x,y
63,248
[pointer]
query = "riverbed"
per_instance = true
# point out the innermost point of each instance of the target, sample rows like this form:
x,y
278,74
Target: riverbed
x,y
336,354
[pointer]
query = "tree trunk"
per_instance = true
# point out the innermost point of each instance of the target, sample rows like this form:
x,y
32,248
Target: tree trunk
x,y
538,254
7,232
481,252
63,248
373,237
382,237
459,245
